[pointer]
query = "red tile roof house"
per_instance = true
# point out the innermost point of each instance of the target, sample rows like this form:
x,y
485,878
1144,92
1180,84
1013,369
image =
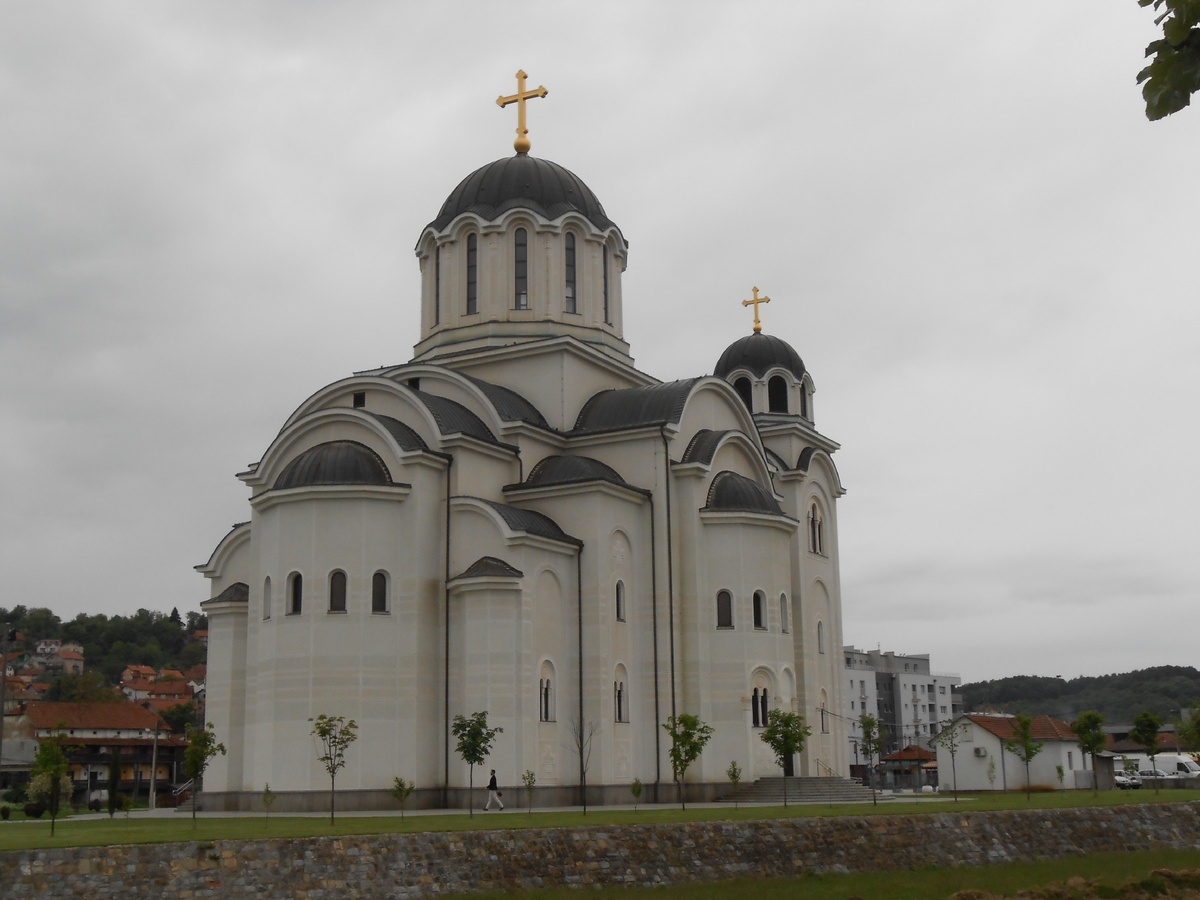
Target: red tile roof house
x,y
913,767
981,762
90,733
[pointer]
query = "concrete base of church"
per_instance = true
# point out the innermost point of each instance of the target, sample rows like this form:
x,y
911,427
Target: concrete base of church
x,y
459,798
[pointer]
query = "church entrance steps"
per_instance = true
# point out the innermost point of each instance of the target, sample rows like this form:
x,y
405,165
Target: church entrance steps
x,y
802,789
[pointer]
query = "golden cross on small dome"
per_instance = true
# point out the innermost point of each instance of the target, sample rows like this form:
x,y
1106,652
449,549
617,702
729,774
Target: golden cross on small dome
x,y
754,302
521,144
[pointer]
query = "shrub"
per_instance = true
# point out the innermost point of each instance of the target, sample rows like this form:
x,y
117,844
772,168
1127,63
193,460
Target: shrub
x,y
94,804
34,810
5,812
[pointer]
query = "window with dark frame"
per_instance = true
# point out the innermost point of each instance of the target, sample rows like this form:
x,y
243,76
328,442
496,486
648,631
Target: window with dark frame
x,y
521,269
724,609
569,269
295,594
472,274
337,592
379,593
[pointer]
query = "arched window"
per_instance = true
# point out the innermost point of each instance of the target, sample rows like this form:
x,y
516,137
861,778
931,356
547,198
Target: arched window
x,y
295,594
569,269
760,610
754,719
605,270
762,699
785,618
521,269
742,386
472,274
267,598
777,394
759,707
820,637
546,693
620,601
824,715
803,401
337,592
724,609
620,696
816,529
379,592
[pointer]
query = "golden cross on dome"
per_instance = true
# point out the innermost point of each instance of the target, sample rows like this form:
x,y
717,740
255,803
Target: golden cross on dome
x,y
521,144
754,302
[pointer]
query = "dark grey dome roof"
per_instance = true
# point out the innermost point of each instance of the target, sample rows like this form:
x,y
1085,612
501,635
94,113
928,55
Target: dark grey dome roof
x,y
335,462
731,492
491,566
571,470
522,182
759,353
618,409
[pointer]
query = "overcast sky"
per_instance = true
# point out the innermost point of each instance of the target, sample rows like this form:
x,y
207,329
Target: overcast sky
x,y
984,253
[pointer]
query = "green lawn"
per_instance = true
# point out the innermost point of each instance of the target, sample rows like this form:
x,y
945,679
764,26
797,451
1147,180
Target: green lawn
x,y
70,832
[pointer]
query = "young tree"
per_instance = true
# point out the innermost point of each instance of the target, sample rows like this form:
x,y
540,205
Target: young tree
x,y
401,790
635,788
114,781
734,774
202,747
1023,746
688,734
950,737
1088,729
475,742
529,779
871,745
1187,728
582,734
336,734
268,798
1145,735
1170,80
785,734
48,782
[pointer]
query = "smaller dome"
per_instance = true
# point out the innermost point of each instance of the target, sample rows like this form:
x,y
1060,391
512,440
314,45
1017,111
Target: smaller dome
x,y
731,492
335,462
759,353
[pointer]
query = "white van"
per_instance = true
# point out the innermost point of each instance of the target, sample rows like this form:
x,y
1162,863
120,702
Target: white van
x,y
1174,765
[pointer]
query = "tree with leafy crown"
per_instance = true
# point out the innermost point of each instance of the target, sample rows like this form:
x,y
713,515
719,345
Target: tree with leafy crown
x,y
785,734
475,740
48,781
950,737
1023,746
688,734
335,735
1145,734
202,747
1088,729
871,745
1174,74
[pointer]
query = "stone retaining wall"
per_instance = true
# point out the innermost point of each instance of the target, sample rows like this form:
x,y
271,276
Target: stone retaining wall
x,y
420,865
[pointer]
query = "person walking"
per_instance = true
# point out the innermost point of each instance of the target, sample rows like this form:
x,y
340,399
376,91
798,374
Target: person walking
x,y
494,795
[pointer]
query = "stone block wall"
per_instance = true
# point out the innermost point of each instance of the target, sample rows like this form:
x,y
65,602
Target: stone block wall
x,y
420,865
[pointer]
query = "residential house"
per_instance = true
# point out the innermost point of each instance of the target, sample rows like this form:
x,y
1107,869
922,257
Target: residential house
x,y
981,762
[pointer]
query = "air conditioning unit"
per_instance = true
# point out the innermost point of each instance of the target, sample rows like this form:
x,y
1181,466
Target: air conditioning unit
x,y
981,751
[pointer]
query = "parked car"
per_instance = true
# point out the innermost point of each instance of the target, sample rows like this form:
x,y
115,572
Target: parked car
x,y
1127,781
1153,773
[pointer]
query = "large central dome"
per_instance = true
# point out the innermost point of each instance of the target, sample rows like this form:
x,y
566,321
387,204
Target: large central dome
x,y
524,182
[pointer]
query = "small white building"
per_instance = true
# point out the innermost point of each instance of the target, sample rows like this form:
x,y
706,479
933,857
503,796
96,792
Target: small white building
x,y
981,762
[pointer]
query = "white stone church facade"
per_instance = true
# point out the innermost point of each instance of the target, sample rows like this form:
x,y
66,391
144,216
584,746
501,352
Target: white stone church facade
x,y
518,520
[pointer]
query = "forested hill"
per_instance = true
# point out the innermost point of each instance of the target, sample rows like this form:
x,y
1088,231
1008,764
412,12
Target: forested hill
x,y
1162,690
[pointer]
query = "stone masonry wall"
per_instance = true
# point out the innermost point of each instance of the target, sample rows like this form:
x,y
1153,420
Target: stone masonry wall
x,y
420,865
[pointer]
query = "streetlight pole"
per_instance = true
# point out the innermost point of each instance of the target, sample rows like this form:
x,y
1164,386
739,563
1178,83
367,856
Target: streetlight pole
x,y
154,767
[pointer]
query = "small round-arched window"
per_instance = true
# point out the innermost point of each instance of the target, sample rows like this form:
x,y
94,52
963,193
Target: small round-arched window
x,y
777,394
742,386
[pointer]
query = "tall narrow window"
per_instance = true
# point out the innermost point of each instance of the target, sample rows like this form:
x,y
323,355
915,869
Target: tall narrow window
x,y
760,611
724,609
267,598
521,269
379,592
816,530
295,594
569,268
337,592
437,285
742,386
605,272
785,617
546,693
620,600
754,710
472,274
619,701
762,699
803,402
821,639
777,394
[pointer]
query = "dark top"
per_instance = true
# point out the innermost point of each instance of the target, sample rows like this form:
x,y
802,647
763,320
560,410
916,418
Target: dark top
x,y
492,783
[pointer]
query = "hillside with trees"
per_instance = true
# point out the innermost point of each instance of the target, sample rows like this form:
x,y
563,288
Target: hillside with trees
x,y
110,643
1162,690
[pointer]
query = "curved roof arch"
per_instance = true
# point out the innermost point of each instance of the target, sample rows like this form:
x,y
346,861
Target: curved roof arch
x,y
731,492
333,462
552,470
814,459
232,541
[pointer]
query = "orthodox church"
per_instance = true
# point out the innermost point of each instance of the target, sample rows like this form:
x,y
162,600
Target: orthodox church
x,y
520,521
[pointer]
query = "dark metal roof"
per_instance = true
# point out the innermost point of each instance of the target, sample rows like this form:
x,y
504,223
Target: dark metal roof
x,y
510,406
571,470
635,407
731,492
759,353
522,182
454,418
490,565
334,462
703,446
238,592
405,436
780,462
531,522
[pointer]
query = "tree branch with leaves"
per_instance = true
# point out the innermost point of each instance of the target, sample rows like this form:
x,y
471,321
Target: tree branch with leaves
x,y
334,734
688,734
1174,73
474,742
